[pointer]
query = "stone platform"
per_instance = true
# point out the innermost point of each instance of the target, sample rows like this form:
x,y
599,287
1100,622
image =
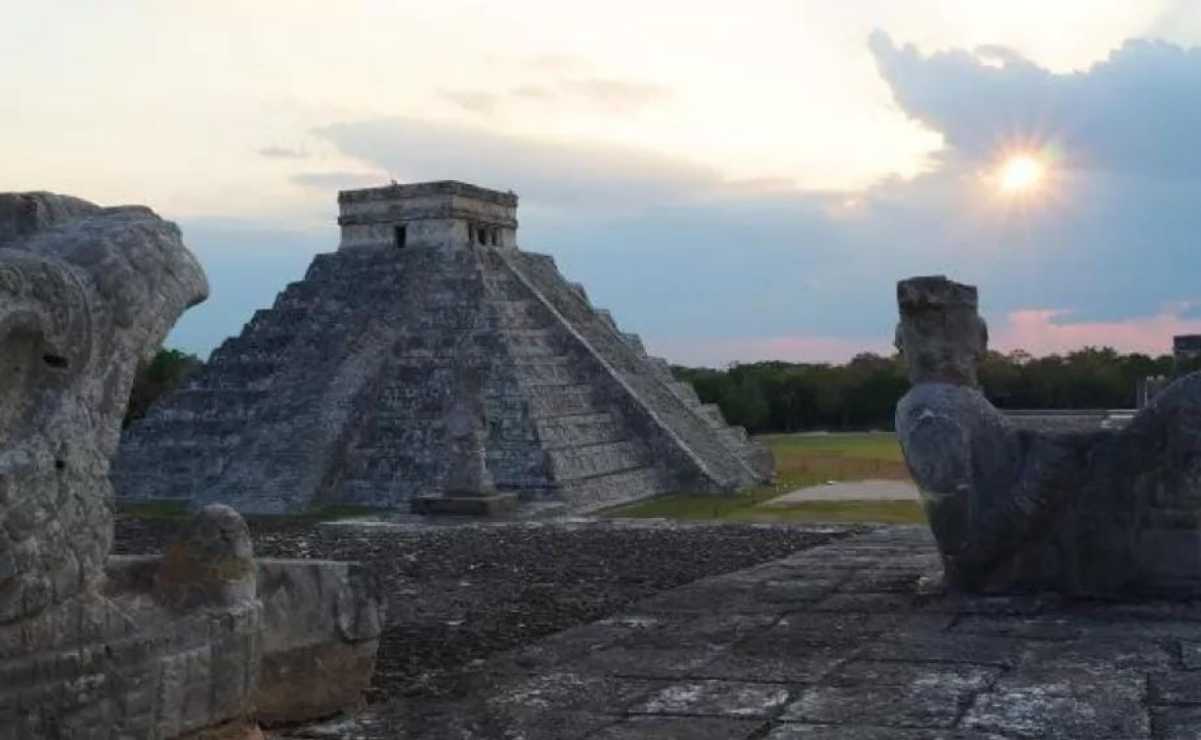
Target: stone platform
x,y
847,640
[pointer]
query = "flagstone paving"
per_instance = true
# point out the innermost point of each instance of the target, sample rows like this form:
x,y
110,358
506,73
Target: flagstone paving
x,y
849,640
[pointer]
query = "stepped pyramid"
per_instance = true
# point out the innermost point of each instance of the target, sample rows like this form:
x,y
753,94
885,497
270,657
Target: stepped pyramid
x,y
428,327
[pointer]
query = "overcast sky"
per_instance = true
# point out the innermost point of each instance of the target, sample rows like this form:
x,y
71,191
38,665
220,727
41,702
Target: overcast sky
x,y
734,186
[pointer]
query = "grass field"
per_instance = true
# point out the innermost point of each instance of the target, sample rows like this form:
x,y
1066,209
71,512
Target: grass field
x,y
802,460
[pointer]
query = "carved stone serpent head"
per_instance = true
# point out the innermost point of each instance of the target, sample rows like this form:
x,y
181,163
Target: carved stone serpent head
x,y
86,294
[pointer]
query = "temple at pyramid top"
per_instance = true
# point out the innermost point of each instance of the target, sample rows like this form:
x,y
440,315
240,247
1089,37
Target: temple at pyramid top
x,y
446,213
430,357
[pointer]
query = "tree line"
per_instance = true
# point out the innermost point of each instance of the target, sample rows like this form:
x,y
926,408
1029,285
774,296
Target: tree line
x,y
863,393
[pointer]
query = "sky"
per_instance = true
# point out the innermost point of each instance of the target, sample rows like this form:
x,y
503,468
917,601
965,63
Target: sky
x,y
734,184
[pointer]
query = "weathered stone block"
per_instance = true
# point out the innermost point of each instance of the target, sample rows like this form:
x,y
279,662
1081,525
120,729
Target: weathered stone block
x,y
322,622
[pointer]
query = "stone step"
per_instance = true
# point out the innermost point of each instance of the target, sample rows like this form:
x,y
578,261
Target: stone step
x,y
567,400
280,322
590,494
661,368
538,371
515,314
711,413
516,465
685,392
634,341
580,292
733,437
578,429
180,431
606,316
571,463
525,343
646,376
502,285
241,376
210,403
250,349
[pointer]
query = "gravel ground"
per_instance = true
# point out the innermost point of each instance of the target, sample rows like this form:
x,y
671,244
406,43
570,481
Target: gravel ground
x,y
457,594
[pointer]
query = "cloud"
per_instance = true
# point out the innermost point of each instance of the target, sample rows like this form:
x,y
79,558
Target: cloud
x,y
473,101
685,253
611,95
1044,331
1131,113
531,92
280,152
560,63
617,95
558,173
711,270
339,180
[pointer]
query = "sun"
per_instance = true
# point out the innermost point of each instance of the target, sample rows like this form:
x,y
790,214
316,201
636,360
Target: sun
x,y
1020,173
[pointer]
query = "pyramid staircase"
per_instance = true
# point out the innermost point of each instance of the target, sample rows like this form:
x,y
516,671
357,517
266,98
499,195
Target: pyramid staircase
x,y
337,394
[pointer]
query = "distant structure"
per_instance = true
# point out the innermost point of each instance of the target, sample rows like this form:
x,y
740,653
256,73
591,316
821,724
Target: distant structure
x,y
1186,357
431,362
1186,350
1148,388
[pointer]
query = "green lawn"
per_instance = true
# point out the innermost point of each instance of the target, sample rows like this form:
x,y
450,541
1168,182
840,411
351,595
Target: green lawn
x,y
801,460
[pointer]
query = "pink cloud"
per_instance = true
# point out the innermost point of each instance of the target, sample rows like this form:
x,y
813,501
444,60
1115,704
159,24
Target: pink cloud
x,y
1039,331
1042,331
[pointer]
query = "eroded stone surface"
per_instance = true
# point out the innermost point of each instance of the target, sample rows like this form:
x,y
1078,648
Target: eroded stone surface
x,y
321,627
1101,513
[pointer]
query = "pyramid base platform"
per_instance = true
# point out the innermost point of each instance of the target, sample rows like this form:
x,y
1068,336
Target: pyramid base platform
x,y
496,504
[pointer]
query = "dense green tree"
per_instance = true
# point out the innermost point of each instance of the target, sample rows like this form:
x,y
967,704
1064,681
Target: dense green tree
x,y
163,373
862,394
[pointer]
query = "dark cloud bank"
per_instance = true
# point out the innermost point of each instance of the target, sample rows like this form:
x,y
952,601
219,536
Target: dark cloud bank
x,y
680,254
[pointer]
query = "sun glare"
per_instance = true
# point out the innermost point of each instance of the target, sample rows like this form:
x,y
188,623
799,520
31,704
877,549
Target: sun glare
x,y
1020,173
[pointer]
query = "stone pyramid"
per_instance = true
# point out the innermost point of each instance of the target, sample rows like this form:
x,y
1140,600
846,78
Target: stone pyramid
x,y
426,355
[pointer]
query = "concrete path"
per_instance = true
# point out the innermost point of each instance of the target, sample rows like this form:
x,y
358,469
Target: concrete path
x,y
847,641
864,490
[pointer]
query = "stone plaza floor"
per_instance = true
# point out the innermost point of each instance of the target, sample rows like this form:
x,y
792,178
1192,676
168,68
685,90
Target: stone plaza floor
x,y
846,640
